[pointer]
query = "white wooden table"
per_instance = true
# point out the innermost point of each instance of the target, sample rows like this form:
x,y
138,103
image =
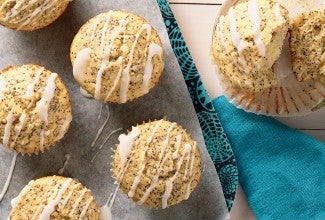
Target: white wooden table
x,y
196,20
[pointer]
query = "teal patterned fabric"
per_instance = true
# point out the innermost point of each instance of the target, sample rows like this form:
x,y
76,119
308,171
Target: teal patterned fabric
x,y
215,138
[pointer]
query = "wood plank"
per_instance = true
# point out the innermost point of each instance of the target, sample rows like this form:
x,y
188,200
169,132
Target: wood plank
x,y
315,120
196,23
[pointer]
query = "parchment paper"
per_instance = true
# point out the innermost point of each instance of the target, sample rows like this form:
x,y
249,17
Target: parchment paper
x,y
49,47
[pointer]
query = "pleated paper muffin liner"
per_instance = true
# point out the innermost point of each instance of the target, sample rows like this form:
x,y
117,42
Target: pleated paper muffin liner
x,y
289,97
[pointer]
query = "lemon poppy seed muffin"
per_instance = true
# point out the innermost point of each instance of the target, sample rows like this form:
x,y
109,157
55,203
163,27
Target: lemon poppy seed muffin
x,y
54,197
157,164
117,56
307,45
29,15
35,109
248,40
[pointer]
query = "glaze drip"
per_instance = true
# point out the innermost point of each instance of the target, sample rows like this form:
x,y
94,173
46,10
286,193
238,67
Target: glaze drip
x,y
236,40
181,153
254,14
106,43
11,170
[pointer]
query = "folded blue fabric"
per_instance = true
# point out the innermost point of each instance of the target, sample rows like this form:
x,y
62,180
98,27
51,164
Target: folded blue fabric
x,y
281,170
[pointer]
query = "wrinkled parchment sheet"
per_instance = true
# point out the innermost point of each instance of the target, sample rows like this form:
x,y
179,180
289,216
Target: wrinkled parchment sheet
x,y
49,47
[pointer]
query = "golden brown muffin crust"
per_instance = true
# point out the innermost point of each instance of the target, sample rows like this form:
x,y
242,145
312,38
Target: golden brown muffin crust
x,y
29,15
245,65
307,44
74,200
171,156
121,45
32,118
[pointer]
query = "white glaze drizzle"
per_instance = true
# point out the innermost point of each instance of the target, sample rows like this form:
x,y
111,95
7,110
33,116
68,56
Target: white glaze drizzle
x,y
101,70
188,190
120,175
123,76
42,105
30,88
14,11
75,205
42,139
235,37
254,14
178,144
154,180
154,131
105,61
99,78
93,32
80,65
11,170
102,145
66,200
85,93
85,208
278,13
45,195
2,88
117,79
136,180
169,183
15,201
48,94
116,32
100,111
154,49
103,34
64,127
9,121
106,210
19,126
220,32
49,193
100,130
105,213
50,207
67,158
187,160
126,71
166,141
3,5
126,143
48,132
37,12
82,59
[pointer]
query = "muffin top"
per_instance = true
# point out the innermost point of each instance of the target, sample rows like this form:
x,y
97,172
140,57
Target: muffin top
x,y
248,40
157,164
117,56
307,44
29,15
54,197
35,108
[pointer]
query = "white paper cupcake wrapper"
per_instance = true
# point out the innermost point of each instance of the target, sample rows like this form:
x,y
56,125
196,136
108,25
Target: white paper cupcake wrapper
x,y
289,97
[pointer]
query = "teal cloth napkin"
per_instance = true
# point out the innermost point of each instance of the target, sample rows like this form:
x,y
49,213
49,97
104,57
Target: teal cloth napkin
x,y
281,170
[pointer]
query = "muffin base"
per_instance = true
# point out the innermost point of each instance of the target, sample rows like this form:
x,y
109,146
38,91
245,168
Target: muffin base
x,y
290,97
